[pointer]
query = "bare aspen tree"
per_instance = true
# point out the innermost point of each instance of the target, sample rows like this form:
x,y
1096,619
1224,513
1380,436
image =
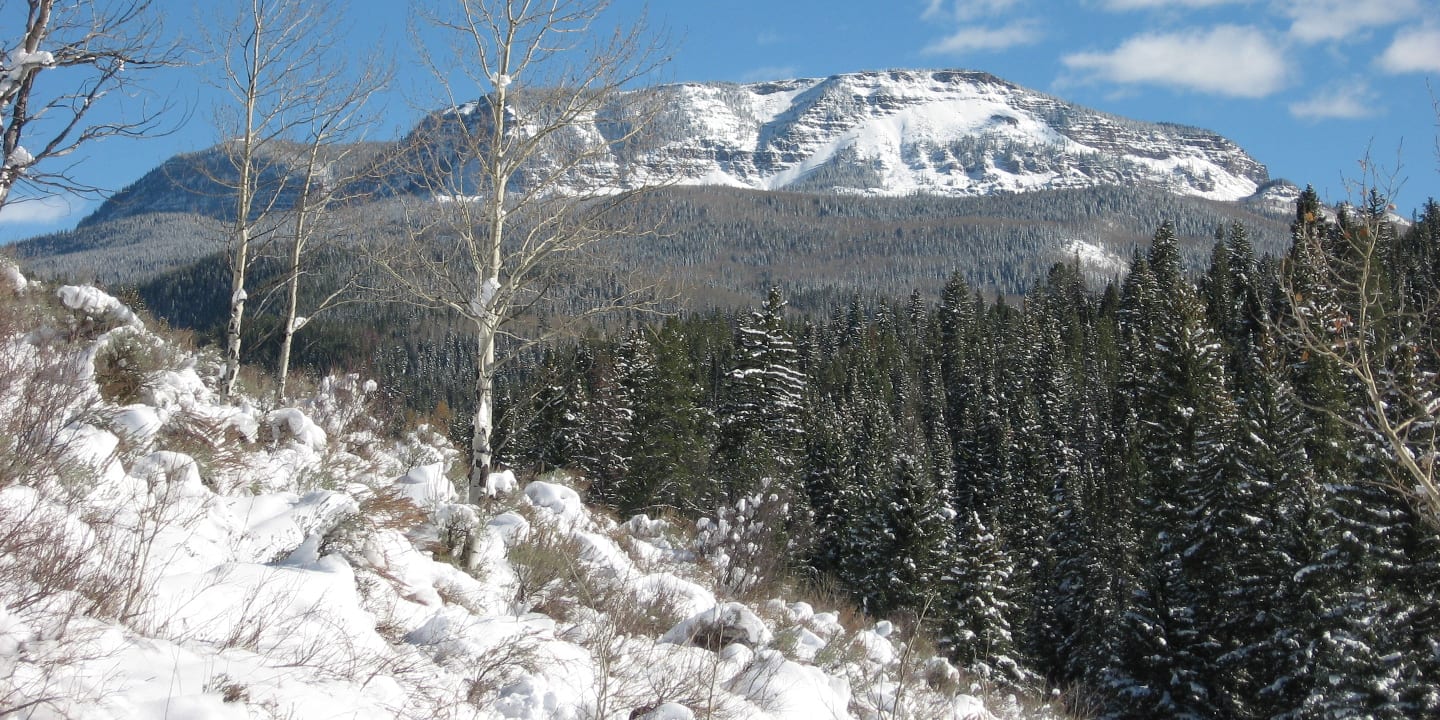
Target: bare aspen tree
x,y
327,176
523,167
93,51
279,68
1349,313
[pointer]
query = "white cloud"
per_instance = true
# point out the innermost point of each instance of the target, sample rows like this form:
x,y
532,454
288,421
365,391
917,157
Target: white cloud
x,y
1165,4
34,211
769,37
1237,61
1413,50
966,9
1315,21
976,38
1338,103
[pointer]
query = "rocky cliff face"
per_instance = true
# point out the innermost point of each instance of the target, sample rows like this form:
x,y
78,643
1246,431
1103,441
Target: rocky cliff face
x,y
940,132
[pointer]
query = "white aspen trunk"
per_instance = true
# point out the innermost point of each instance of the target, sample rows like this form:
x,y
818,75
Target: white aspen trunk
x,y
481,452
487,304
244,202
291,311
237,308
297,249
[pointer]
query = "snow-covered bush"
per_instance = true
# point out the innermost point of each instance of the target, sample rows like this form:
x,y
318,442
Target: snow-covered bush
x,y
749,543
131,361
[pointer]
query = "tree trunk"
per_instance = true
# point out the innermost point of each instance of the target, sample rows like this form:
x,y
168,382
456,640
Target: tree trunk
x,y
237,311
481,453
291,310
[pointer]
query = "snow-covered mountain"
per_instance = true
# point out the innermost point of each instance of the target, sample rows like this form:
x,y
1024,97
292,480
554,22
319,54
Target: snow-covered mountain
x,y
892,133
945,132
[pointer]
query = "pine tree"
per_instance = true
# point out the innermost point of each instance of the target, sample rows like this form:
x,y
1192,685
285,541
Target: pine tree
x,y
609,420
760,432
914,523
670,458
554,438
1183,410
975,627
830,484
865,541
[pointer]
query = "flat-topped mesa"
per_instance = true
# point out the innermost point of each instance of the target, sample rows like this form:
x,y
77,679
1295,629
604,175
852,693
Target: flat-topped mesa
x,y
897,132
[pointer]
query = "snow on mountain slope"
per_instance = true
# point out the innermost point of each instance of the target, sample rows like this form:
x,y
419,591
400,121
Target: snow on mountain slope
x,y
942,132
899,132
165,552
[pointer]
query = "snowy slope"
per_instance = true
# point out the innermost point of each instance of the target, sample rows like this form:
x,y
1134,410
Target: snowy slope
x,y
167,553
943,132
899,132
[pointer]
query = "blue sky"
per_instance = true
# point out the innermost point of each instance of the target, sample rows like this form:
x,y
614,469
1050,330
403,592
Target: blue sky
x,y
1306,86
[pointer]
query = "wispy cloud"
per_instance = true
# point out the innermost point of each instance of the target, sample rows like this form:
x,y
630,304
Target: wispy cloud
x,y
35,211
1230,60
963,10
1313,21
1351,102
772,72
987,39
1165,4
977,26
1414,50
769,37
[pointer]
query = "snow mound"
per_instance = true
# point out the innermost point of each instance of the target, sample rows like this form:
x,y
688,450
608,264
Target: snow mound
x,y
558,499
292,425
96,304
11,281
426,486
719,626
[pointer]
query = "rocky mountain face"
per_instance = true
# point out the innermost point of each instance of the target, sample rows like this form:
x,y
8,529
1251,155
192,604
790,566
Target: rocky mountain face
x,y
944,132
894,133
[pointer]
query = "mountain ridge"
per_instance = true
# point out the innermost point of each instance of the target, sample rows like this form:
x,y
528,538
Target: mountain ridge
x,y
1021,139
959,133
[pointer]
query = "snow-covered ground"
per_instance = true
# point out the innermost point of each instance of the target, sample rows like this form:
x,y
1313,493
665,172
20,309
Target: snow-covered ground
x,y
167,553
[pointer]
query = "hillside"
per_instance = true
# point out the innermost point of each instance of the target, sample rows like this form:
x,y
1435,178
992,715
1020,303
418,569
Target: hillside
x,y
168,553
728,245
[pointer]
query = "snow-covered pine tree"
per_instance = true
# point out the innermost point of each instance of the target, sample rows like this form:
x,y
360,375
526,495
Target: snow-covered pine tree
x,y
760,434
828,477
1184,412
553,436
609,419
864,537
973,611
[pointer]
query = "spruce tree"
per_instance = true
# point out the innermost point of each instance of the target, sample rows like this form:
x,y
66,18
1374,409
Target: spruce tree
x,y
670,459
974,611
1183,410
759,422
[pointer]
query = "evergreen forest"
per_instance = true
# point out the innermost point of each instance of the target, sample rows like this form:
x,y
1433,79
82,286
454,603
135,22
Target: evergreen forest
x,y
1161,496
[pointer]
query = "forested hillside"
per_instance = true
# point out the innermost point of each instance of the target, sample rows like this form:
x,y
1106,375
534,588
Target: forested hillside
x,y
725,245
1173,495
715,248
